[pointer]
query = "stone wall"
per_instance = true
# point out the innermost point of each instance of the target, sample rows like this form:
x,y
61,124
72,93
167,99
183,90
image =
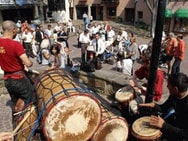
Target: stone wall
x,y
3,90
99,85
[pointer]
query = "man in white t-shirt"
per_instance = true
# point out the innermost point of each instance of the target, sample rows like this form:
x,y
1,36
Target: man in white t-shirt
x,y
110,35
84,40
27,38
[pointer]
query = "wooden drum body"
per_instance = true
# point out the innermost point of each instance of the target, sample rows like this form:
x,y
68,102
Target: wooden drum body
x,y
24,128
68,113
142,130
112,128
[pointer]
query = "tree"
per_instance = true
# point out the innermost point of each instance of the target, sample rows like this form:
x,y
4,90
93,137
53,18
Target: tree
x,y
152,5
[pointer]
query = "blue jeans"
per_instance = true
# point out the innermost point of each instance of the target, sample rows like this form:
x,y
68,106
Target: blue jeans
x,y
176,66
20,88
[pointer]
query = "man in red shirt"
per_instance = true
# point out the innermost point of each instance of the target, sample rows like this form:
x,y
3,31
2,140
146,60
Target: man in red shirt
x,y
178,54
143,72
13,60
172,45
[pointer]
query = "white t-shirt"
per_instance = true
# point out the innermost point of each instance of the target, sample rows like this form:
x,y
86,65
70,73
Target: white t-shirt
x,y
44,60
27,37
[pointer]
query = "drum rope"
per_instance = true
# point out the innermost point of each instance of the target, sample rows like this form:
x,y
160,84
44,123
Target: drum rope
x,y
29,124
19,131
103,102
69,81
41,112
61,79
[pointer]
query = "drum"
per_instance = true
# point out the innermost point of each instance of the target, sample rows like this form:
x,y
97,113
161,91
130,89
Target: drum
x,y
125,94
90,52
25,124
112,128
68,112
142,130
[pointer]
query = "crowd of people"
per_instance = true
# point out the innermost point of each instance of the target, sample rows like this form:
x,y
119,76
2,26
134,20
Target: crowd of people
x,y
101,41
96,41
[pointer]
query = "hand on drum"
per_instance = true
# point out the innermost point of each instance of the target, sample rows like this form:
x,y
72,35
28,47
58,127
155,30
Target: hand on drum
x,y
156,121
132,83
148,105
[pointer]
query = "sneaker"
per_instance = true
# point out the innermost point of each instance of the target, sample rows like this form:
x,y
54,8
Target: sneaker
x,y
163,66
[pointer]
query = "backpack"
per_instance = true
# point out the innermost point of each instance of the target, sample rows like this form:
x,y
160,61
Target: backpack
x,y
98,64
39,56
88,67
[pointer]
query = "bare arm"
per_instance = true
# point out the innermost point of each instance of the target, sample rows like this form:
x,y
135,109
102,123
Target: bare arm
x,y
26,61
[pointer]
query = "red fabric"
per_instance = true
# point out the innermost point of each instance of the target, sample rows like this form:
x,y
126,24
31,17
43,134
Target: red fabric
x,y
180,50
142,73
10,51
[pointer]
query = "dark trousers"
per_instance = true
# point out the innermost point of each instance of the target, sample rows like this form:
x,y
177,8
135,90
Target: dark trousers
x,y
20,88
83,52
28,48
176,66
132,70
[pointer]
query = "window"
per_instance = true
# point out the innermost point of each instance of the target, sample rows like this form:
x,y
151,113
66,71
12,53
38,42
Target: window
x,y
140,15
55,5
111,11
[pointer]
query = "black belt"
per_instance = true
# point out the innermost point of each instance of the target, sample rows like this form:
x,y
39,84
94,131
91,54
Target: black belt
x,y
15,72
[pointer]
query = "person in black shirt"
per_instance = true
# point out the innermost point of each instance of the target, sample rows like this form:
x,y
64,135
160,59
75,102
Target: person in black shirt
x,y
174,125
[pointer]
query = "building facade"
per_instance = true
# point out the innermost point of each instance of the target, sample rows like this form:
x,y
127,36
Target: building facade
x,y
21,9
129,11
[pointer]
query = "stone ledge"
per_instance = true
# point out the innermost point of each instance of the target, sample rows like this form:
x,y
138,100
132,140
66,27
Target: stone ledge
x,y
100,82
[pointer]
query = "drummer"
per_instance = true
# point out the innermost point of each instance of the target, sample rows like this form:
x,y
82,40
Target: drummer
x,y
13,60
173,121
143,72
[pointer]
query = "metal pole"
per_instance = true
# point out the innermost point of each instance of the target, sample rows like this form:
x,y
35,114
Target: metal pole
x,y
156,48
42,11
134,20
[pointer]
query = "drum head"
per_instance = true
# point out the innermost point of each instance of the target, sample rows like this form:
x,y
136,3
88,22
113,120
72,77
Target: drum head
x,y
113,129
74,118
124,94
141,129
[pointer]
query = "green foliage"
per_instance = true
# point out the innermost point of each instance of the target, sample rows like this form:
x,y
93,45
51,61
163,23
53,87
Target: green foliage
x,y
142,25
119,19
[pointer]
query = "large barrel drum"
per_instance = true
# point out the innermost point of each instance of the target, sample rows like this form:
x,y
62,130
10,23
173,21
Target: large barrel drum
x,y
68,112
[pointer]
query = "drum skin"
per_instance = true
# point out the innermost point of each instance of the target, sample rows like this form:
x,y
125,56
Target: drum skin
x,y
112,128
125,94
143,131
68,112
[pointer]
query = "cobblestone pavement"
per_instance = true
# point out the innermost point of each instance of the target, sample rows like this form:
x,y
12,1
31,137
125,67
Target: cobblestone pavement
x,y
142,38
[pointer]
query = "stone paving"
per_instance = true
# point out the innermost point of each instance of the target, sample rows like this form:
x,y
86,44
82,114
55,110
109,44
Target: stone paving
x,y
106,71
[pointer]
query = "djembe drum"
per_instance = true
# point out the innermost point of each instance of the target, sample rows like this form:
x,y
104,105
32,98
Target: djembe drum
x,y
143,131
125,95
68,112
27,119
112,127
